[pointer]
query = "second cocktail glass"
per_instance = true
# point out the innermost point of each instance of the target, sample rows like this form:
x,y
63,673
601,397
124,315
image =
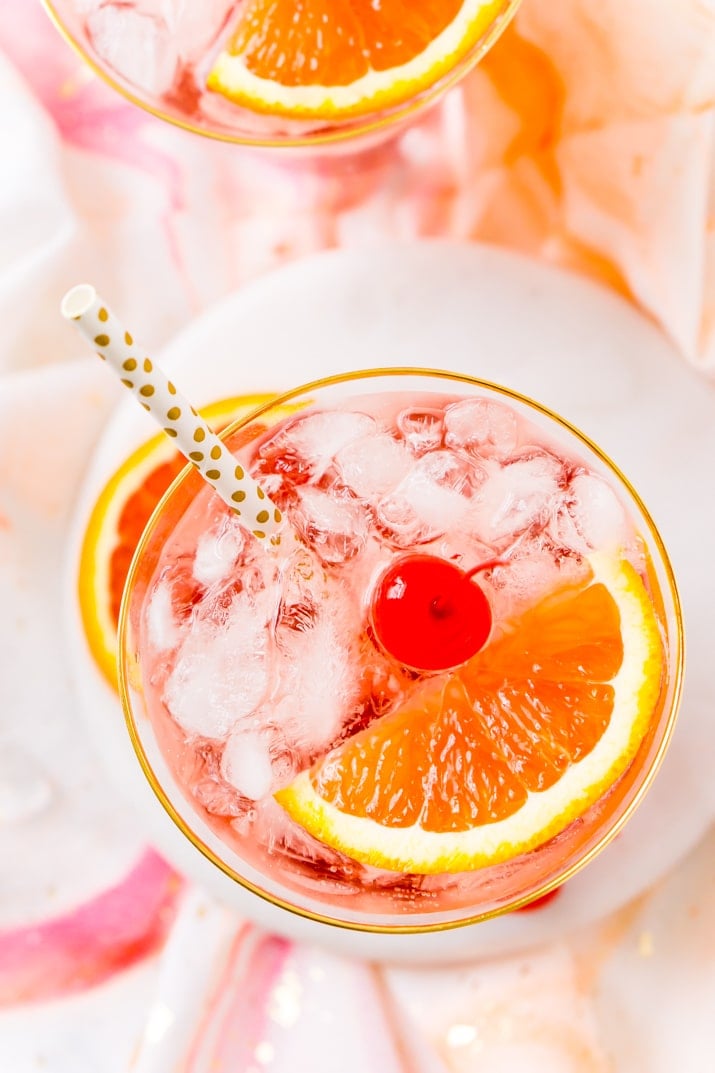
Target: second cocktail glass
x,y
281,74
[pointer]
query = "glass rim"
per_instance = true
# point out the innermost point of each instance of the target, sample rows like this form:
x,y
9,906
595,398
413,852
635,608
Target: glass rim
x,y
334,136
675,676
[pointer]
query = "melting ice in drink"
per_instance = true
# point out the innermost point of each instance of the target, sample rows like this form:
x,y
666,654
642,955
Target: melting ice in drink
x,y
268,674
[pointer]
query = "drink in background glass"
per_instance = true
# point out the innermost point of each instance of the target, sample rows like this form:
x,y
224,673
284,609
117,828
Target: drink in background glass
x,y
263,72
448,687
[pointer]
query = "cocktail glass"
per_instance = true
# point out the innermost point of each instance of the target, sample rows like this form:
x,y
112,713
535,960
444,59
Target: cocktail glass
x,y
158,55
267,854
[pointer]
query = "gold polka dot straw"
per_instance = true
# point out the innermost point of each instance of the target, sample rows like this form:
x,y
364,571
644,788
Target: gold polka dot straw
x,y
192,436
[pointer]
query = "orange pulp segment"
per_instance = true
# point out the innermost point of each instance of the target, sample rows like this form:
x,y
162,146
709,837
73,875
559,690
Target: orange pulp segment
x,y
486,762
117,522
333,59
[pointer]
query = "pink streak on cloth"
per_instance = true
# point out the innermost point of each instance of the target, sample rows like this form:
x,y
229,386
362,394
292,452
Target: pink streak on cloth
x,y
279,1007
86,112
114,931
235,1017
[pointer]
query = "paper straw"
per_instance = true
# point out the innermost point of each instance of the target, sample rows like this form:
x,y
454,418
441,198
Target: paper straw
x,y
178,418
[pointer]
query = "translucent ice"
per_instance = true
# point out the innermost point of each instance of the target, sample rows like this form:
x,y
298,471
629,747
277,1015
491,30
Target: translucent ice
x,y
308,446
517,495
432,499
139,46
221,672
318,676
194,26
591,517
373,465
533,571
217,551
481,425
178,588
301,592
274,733
336,528
162,626
422,429
220,798
246,762
273,829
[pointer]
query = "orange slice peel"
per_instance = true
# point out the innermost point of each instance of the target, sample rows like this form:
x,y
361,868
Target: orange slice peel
x,y
337,60
116,523
485,763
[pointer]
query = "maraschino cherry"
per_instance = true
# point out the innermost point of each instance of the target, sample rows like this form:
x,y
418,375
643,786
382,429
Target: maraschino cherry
x,y
429,614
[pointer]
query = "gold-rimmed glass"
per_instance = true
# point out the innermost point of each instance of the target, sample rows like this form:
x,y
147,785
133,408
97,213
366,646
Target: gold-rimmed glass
x,y
400,904
186,103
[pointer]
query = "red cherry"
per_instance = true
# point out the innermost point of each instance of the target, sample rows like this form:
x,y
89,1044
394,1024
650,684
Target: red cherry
x,y
429,614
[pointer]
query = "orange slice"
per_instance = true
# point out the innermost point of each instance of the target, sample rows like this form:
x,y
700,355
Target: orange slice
x,y
338,59
117,521
489,761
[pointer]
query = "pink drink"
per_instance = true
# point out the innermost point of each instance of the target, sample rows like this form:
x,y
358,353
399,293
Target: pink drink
x,y
254,665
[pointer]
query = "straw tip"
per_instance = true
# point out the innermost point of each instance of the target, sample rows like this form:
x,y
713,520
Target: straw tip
x,y
77,301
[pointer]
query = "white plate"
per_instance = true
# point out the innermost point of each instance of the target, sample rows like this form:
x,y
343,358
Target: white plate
x,y
554,337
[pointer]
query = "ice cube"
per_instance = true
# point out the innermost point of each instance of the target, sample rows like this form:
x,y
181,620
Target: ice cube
x,y
254,574
447,472
217,551
399,523
221,799
301,578
523,492
423,429
319,865
162,626
196,26
433,498
306,448
535,570
184,591
335,527
222,672
319,675
139,46
482,426
373,465
592,517
246,762
276,723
